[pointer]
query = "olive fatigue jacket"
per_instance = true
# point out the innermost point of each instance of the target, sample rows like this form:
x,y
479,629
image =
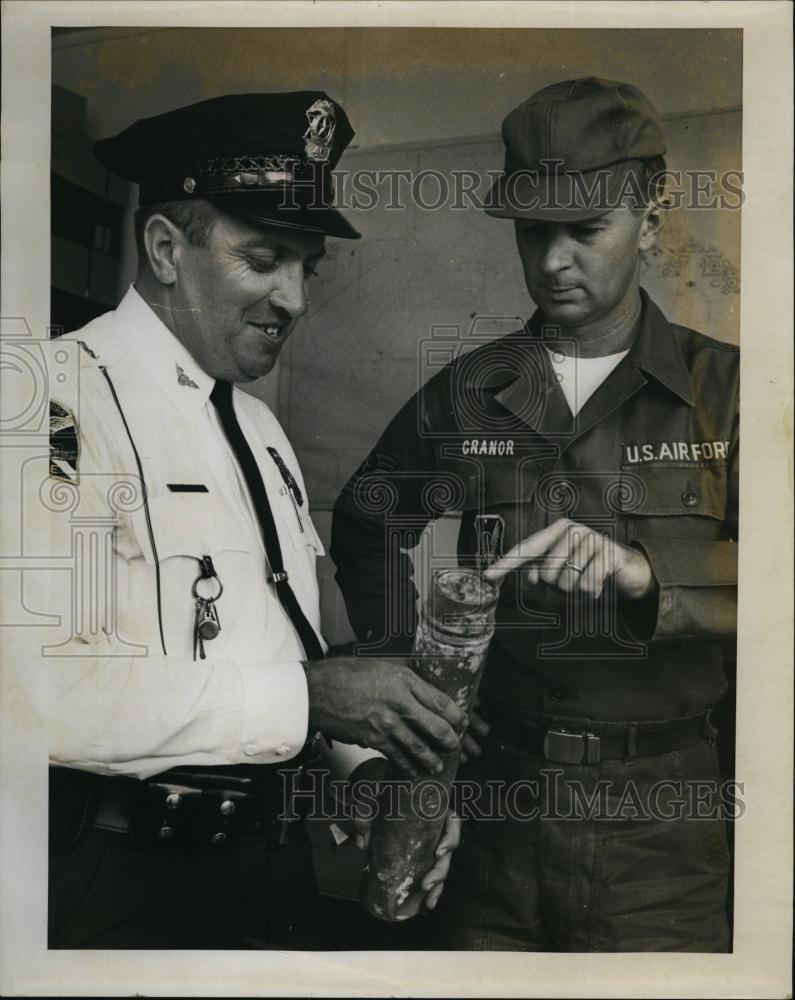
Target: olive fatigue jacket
x,y
651,458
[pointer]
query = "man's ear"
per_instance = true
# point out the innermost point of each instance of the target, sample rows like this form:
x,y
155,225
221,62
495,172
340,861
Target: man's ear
x,y
653,221
163,241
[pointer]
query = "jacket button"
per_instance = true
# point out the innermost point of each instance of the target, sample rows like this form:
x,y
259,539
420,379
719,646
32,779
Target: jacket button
x,y
227,807
218,838
557,693
165,832
691,499
173,800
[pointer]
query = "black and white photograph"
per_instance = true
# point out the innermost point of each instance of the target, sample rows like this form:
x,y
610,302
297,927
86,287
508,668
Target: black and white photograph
x,y
387,592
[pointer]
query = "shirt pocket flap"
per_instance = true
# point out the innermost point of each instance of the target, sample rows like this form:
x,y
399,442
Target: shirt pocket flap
x,y
480,483
675,490
190,525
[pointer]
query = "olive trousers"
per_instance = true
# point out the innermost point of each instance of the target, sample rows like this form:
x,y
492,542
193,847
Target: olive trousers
x,y
614,856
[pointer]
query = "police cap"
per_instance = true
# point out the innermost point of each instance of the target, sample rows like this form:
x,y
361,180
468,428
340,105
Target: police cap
x,y
267,158
572,151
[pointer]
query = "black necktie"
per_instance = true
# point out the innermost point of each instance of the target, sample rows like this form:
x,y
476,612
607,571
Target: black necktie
x,y
222,400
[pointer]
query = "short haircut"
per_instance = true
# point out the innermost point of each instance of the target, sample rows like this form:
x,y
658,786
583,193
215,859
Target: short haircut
x,y
194,218
652,179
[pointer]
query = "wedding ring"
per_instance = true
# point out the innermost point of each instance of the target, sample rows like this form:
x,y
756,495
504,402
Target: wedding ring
x,y
570,565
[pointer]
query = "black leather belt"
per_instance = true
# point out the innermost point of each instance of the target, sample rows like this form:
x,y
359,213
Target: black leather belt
x,y
197,807
581,741
184,806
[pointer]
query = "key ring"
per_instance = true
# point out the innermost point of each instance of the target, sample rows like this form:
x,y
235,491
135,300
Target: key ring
x,y
201,597
207,573
207,624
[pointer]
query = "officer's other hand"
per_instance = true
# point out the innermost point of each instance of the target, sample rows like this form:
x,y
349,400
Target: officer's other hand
x,y
432,882
362,818
383,704
576,559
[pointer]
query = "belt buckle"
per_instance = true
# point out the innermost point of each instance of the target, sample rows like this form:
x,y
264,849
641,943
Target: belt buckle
x,y
564,747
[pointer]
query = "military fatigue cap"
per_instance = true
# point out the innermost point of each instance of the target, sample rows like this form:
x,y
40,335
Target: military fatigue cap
x,y
267,158
572,151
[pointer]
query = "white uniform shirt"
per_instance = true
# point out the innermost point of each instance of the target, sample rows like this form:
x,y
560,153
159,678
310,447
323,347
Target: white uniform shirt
x,y
118,703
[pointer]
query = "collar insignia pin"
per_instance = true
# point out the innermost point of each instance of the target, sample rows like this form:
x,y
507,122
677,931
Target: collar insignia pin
x,y
184,379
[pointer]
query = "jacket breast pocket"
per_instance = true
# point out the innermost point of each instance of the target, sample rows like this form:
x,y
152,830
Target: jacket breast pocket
x,y
503,487
686,502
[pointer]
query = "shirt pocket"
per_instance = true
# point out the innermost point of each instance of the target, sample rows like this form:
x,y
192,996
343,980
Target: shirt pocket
x,y
686,502
314,537
294,519
186,527
505,488
189,525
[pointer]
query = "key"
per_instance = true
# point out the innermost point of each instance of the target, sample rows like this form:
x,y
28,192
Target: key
x,y
209,624
198,642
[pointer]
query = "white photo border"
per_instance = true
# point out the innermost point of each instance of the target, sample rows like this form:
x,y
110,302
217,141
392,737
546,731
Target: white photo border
x,y
760,963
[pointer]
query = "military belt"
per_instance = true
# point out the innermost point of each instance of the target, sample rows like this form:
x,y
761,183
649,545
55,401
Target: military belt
x,y
583,741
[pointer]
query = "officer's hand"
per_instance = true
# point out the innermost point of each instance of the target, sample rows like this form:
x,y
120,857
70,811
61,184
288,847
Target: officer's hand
x,y
573,558
432,882
477,727
383,704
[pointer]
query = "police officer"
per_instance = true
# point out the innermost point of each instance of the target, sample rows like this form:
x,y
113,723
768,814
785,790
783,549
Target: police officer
x,y
604,440
197,670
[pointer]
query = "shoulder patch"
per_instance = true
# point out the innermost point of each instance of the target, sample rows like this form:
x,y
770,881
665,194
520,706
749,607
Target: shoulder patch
x,y
64,443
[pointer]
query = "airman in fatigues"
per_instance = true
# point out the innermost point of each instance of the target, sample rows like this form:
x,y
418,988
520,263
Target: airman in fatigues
x,y
606,438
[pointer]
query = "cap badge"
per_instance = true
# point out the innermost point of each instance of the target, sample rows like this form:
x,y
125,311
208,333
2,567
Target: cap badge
x,y
322,122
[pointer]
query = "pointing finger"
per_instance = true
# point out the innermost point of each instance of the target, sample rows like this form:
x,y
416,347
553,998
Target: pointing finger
x,y
593,576
532,547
